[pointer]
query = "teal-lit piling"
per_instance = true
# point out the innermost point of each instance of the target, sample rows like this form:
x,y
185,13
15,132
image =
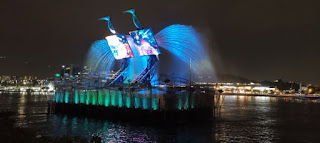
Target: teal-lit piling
x,y
162,105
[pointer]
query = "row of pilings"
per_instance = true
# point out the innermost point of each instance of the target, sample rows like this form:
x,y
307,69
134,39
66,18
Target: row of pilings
x,y
155,104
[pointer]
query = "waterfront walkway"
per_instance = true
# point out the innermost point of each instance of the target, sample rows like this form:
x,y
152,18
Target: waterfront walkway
x,y
276,95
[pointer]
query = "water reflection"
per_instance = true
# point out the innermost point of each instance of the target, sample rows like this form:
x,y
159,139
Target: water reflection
x,y
130,132
261,118
109,131
22,104
242,119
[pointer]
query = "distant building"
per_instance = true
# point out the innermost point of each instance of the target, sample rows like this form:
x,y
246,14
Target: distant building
x,y
244,88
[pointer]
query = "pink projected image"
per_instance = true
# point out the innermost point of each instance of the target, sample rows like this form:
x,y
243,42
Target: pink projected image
x,y
145,42
119,46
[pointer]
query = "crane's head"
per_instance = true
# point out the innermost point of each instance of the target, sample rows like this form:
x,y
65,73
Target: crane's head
x,y
132,11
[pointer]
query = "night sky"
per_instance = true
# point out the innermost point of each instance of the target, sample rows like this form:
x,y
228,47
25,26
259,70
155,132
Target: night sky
x,y
256,39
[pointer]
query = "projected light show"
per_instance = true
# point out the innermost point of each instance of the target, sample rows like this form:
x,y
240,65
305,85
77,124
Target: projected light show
x,y
99,55
145,42
178,40
119,46
122,71
136,56
187,47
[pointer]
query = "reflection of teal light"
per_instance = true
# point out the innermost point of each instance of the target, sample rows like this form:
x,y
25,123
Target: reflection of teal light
x,y
86,124
105,126
74,124
64,120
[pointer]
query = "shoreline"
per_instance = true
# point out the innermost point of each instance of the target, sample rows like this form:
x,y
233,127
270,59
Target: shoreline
x,y
291,96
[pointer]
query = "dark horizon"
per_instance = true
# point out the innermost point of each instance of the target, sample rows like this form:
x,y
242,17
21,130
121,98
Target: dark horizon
x,y
259,40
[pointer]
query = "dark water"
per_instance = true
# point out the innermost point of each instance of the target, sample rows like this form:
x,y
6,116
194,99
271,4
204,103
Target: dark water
x,y
241,119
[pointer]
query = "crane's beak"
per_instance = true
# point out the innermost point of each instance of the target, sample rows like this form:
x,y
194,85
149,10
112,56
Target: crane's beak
x,y
132,11
107,18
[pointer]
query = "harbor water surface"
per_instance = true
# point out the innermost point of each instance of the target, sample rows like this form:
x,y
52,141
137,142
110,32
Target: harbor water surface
x,y
240,119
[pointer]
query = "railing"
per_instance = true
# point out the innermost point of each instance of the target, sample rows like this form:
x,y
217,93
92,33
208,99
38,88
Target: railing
x,y
118,75
173,81
147,71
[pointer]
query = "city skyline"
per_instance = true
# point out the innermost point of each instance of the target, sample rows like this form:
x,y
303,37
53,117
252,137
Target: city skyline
x,y
256,40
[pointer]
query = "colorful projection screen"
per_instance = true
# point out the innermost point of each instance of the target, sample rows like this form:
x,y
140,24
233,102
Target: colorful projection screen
x,y
119,46
145,42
